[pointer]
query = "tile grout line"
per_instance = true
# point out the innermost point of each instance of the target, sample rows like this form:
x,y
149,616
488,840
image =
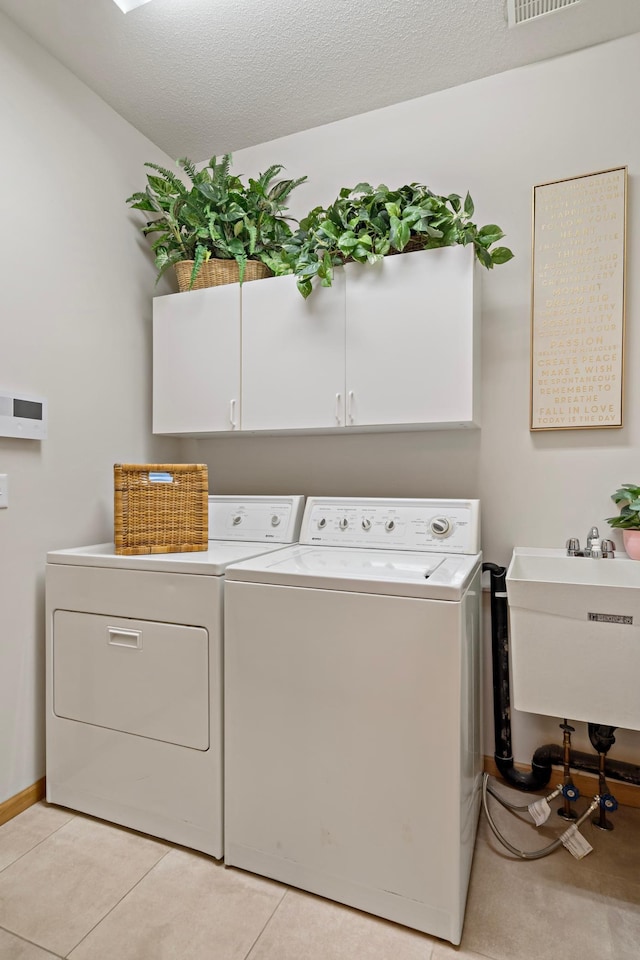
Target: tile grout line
x,y
118,902
255,942
39,843
31,943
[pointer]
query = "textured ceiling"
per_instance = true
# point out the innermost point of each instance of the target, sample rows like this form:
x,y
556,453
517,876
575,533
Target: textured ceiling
x,y
202,77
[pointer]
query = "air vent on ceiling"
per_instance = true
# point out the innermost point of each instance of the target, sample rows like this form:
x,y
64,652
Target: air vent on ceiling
x,y
521,11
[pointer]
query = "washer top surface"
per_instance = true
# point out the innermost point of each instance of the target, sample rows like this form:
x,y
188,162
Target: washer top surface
x,y
389,572
239,528
404,547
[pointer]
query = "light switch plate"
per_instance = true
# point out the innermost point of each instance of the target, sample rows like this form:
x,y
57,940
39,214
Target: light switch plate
x,y
4,490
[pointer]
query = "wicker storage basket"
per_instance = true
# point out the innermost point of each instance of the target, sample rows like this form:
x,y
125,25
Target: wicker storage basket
x,y
213,273
160,507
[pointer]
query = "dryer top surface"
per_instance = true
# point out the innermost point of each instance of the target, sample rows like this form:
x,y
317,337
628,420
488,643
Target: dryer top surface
x,y
212,562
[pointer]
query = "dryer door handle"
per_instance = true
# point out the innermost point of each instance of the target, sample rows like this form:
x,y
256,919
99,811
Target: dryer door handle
x,y
124,638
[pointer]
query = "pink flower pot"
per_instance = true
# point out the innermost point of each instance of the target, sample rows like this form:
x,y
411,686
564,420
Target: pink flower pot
x,y
631,540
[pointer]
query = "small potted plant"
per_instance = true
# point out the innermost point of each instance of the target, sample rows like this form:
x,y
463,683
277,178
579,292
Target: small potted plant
x,y
216,229
628,520
365,224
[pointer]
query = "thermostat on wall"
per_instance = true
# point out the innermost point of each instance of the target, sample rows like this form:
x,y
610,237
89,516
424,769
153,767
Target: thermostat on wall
x,y
23,416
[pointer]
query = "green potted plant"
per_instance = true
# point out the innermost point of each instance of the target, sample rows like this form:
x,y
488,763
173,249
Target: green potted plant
x,y
628,520
365,224
215,228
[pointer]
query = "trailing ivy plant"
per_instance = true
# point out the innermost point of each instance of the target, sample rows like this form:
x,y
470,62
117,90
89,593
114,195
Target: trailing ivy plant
x,y
366,223
214,214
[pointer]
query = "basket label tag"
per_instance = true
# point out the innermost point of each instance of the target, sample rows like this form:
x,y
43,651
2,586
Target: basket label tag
x,y
160,477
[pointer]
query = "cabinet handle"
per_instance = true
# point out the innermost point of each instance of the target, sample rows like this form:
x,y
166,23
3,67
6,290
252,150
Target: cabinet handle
x,y
350,407
338,405
232,414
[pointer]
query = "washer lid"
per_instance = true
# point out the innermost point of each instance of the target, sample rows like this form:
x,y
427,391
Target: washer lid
x,y
389,572
212,562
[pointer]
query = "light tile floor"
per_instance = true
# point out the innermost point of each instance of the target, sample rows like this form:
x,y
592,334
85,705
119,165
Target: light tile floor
x,y
72,886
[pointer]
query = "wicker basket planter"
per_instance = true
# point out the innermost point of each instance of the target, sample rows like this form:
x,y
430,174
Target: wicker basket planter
x,y
214,273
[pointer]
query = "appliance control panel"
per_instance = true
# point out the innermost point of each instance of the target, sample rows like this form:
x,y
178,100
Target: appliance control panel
x,y
255,519
436,526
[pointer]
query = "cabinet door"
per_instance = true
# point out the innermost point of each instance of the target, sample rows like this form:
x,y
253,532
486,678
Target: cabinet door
x,y
412,340
196,361
292,355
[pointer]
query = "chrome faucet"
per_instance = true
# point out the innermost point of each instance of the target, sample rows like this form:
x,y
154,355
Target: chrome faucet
x,y
595,547
592,536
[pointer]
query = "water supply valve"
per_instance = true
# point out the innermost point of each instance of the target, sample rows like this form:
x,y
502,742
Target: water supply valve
x,y
608,802
570,792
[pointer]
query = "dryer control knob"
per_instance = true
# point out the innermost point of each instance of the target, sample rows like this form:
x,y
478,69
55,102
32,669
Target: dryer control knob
x,y
366,524
390,525
322,522
275,520
440,527
236,520
344,523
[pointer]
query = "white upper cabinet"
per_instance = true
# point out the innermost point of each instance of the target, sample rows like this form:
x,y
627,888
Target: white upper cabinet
x,y
196,361
293,361
412,340
389,346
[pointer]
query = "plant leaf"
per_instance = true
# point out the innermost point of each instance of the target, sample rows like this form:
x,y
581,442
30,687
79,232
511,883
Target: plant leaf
x,y
500,254
483,256
468,205
489,234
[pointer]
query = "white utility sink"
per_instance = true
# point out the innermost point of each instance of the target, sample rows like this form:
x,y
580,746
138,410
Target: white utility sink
x,y
575,636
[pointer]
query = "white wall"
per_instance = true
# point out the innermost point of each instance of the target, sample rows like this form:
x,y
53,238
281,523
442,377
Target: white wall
x,y
496,137
75,322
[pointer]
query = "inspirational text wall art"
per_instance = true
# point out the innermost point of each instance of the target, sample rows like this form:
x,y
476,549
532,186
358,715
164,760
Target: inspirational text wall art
x,y
578,308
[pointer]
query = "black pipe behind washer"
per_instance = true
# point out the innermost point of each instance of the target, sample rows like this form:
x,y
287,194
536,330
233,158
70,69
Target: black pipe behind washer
x,y
540,773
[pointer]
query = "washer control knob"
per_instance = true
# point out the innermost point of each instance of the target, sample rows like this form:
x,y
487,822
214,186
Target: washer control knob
x,y
390,525
366,524
440,527
322,522
236,519
344,523
275,520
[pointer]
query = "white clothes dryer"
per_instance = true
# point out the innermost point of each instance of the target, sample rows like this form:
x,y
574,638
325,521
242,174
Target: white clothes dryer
x,y
134,691
352,708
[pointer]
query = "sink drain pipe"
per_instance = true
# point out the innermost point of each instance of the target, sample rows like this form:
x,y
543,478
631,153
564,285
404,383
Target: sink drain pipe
x,y
540,773
550,754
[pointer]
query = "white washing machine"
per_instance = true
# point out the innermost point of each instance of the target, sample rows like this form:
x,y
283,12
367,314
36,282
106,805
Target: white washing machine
x,y
352,708
134,674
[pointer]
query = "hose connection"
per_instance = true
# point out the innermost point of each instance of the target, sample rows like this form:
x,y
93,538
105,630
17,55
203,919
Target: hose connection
x,y
572,840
